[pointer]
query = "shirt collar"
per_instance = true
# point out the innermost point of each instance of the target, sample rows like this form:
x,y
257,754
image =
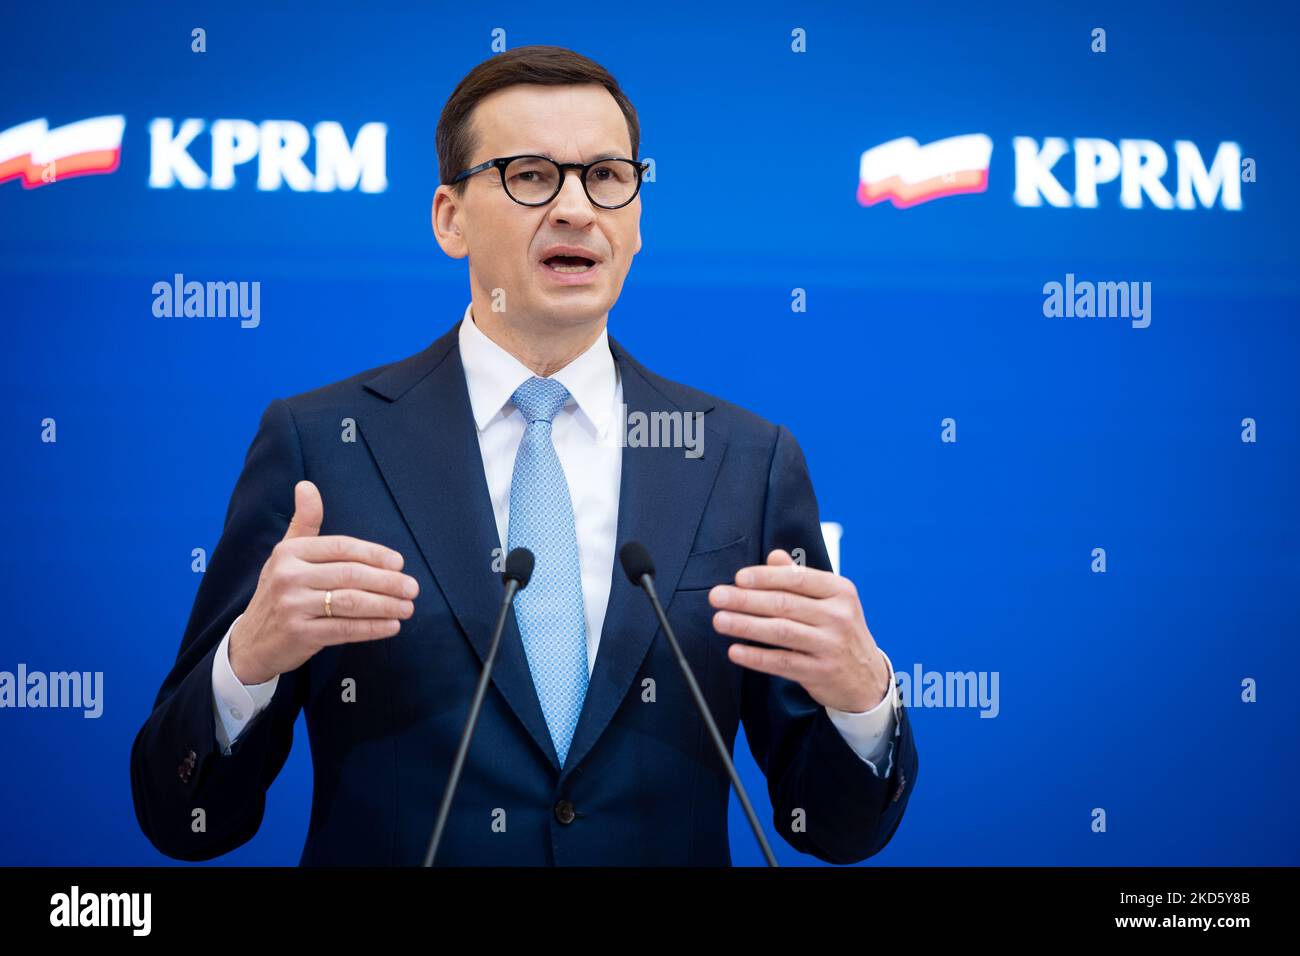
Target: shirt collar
x,y
492,375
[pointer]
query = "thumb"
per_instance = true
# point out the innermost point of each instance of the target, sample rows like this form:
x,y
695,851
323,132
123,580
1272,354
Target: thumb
x,y
779,558
308,511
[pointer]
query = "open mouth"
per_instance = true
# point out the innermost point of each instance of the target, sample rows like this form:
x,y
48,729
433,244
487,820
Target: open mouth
x,y
569,265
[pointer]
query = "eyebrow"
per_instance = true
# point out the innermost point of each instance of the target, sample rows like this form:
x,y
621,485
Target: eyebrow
x,y
596,159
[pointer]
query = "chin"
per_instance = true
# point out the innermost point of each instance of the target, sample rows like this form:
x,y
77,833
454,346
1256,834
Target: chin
x,y
573,309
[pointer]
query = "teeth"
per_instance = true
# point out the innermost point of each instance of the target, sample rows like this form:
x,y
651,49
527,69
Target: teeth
x,y
570,268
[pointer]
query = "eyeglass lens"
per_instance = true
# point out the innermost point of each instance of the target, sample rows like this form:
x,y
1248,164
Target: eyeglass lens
x,y
532,179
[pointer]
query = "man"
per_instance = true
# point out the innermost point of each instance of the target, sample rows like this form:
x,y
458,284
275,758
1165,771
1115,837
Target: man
x,y
355,579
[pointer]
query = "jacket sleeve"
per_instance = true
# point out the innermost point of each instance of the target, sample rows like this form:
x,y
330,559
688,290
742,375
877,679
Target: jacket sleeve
x,y
192,801
826,801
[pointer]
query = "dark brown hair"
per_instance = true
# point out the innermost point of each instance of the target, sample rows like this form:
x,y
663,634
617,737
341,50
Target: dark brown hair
x,y
544,65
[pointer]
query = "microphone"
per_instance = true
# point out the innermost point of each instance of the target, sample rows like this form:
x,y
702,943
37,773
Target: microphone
x,y
640,571
519,568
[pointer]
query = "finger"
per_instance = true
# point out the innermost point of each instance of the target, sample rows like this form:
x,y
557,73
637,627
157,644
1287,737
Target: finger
x,y
770,630
779,558
308,512
350,602
342,547
787,604
336,575
795,577
350,630
788,664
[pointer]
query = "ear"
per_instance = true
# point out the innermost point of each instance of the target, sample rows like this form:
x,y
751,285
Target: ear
x,y
445,216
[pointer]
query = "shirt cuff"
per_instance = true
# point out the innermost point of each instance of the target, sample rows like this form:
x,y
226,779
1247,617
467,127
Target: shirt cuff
x,y
235,703
871,733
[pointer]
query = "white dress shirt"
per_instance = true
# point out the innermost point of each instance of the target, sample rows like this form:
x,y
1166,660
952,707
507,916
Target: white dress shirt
x,y
592,461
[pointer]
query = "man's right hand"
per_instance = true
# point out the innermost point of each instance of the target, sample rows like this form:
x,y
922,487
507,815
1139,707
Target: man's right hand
x,y
285,623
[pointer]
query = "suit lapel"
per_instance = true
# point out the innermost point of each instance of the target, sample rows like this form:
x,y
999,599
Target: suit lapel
x,y
426,447
662,494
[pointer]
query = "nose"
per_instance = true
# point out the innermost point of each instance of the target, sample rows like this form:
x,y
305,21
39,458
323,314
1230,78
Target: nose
x,y
572,206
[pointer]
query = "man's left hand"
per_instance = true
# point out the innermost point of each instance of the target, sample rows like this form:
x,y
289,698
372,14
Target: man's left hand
x,y
814,624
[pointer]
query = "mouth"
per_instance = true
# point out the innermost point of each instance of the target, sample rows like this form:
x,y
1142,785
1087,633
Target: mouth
x,y
570,269
569,265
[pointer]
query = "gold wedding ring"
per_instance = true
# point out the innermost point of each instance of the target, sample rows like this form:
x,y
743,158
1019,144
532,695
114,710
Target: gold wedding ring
x,y
328,597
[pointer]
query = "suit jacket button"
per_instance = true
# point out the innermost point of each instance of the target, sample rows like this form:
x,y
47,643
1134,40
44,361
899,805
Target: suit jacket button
x,y
564,812
187,766
902,781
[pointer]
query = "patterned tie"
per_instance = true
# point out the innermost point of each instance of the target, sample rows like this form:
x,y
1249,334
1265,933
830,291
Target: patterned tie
x,y
552,621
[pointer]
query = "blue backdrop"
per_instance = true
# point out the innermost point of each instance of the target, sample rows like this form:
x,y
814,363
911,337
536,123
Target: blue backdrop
x,y
1118,690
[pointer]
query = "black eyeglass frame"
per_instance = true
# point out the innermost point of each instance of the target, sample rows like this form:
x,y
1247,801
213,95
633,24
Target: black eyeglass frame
x,y
501,162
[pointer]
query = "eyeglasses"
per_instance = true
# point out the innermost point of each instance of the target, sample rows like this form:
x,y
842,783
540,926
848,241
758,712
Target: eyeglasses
x,y
536,180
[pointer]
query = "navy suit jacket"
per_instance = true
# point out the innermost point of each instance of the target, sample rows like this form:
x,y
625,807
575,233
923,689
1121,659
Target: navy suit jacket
x,y
642,783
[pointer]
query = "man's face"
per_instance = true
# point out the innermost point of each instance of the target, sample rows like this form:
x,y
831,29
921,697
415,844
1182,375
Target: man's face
x,y
507,242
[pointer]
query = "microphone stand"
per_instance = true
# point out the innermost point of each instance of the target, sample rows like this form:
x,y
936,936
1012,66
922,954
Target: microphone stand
x,y
647,585
513,584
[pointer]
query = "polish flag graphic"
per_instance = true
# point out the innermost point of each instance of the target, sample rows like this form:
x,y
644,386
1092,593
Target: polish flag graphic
x,y
906,173
40,155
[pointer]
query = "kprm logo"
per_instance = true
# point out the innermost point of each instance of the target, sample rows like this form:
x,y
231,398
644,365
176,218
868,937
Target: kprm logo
x,y
39,155
906,173
1139,169
272,154
1132,173
195,154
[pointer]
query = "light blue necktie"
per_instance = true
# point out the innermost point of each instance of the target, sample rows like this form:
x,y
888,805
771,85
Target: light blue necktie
x,y
552,621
